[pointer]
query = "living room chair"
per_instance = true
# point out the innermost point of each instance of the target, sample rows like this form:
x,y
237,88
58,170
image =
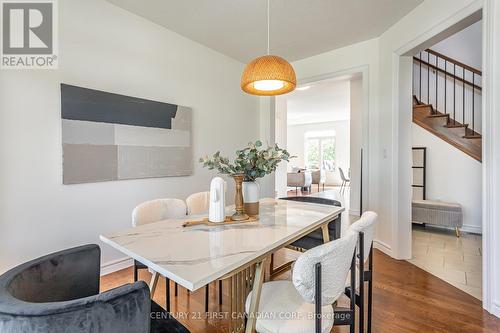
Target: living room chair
x,y
319,177
302,179
59,293
345,180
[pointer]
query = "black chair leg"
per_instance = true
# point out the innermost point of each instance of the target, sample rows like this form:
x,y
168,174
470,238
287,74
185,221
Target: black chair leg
x,y
206,298
361,283
317,298
220,292
167,301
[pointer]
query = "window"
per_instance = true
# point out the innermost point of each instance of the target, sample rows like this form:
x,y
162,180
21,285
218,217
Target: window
x,y
320,150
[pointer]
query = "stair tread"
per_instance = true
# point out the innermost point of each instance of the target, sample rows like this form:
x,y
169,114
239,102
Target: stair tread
x,y
457,125
423,106
438,115
472,136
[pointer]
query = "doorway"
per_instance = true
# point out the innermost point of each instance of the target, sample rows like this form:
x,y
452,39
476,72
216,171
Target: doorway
x,y
322,125
405,98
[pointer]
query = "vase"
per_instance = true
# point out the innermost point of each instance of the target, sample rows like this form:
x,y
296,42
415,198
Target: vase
x,y
251,196
238,200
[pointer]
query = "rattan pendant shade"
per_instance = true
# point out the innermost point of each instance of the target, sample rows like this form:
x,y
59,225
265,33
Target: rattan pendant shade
x,y
268,68
268,75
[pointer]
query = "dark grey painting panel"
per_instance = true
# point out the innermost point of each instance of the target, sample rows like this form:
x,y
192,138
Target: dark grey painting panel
x,y
94,105
89,163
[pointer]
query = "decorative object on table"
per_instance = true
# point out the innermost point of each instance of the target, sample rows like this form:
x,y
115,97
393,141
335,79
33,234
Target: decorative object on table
x,y
251,163
110,137
217,208
240,214
227,220
251,195
268,75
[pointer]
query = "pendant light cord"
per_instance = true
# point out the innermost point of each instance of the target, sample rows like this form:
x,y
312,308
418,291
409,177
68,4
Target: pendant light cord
x,y
267,27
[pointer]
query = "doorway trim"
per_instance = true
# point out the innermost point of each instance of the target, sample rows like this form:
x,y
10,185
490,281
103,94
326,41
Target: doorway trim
x,y
401,136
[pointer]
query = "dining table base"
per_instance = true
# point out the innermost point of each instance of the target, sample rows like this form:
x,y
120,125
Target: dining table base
x,y
241,283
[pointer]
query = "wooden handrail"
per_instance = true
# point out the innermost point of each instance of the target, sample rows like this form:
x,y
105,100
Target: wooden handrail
x,y
448,73
436,70
456,62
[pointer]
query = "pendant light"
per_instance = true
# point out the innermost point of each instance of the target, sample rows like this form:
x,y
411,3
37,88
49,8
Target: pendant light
x,y
268,75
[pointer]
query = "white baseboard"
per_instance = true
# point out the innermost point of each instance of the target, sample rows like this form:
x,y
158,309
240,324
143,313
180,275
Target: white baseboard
x,y
116,265
385,248
473,229
495,309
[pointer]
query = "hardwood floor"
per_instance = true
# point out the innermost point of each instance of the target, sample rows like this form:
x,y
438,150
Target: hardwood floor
x,y
406,299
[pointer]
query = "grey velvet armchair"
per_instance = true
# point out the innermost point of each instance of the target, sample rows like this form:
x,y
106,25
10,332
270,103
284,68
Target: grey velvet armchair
x,y
59,293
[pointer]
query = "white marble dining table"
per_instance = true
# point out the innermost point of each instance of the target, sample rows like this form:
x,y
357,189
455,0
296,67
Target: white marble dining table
x,y
195,256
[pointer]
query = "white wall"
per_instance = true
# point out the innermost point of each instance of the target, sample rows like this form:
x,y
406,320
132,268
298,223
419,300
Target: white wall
x,y
281,129
452,176
107,48
464,46
296,145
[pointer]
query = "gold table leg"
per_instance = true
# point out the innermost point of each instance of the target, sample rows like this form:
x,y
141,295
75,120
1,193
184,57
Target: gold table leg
x,y
326,233
254,302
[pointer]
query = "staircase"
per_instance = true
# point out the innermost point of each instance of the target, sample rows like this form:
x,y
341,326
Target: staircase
x,y
447,100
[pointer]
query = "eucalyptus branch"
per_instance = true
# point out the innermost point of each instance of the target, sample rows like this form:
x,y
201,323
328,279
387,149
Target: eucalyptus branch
x,y
253,161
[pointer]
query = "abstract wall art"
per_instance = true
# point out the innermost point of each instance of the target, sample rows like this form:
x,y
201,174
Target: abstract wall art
x,y
108,137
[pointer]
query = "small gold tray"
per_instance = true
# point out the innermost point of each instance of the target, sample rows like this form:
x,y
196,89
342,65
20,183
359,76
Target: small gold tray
x,y
227,221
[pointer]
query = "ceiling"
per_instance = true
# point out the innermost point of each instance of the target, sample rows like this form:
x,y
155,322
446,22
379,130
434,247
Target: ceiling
x,y
299,28
324,101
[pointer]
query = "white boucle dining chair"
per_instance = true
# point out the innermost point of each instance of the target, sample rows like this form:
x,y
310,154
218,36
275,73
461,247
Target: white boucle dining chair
x,y
365,227
157,210
154,211
304,304
198,203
